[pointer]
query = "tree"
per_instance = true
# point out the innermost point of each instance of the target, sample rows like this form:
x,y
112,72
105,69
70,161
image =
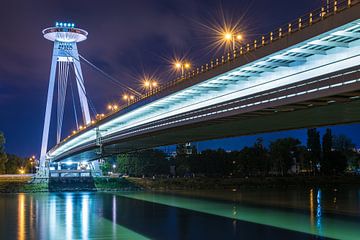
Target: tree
x,y
342,143
243,166
3,156
147,162
261,161
214,163
345,146
105,167
186,159
314,147
327,151
14,163
283,152
337,163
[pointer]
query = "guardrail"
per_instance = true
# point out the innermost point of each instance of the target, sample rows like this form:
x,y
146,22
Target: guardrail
x,y
294,26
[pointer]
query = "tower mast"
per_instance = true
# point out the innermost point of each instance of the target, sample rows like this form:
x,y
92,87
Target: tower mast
x,y
65,37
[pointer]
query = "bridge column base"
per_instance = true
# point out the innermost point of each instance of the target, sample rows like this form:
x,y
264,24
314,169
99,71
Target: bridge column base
x,y
42,176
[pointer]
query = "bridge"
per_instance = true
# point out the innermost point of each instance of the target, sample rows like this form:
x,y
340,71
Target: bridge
x,y
304,74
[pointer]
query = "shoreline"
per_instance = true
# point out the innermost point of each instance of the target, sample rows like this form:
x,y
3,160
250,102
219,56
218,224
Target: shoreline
x,y
206,183
102,184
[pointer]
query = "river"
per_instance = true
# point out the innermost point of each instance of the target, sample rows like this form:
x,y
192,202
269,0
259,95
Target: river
x,y
271,213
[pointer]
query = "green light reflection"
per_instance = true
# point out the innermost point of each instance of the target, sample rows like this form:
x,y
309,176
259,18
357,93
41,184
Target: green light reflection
x,y
286,219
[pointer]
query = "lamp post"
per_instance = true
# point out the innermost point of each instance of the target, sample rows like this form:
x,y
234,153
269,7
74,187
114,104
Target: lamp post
x,y
150,84
232,38
182,66
32,162
113,107
128,98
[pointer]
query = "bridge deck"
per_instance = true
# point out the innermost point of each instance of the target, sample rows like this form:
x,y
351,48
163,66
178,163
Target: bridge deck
x,y
305,59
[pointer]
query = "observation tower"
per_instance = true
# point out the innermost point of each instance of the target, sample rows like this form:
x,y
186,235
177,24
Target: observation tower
x,y
65,57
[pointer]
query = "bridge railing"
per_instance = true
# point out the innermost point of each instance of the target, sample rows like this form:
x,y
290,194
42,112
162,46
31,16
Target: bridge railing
x,y
307,20
296,25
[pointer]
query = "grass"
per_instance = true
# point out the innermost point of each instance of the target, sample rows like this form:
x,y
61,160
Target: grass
x,y
20,183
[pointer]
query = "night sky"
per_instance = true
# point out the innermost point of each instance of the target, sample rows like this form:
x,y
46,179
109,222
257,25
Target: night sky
x,y
126,39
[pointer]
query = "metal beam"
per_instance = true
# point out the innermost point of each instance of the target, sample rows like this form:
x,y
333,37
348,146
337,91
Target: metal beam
x,y
262,69
329,43
289,58
308,51
347,34
275,64
247,74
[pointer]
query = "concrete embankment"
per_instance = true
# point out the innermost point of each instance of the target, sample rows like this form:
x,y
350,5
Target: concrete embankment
x,y
25,184
102,184
235,183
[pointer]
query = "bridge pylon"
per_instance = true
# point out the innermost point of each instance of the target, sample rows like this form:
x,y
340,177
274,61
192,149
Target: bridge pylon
x,y
65,55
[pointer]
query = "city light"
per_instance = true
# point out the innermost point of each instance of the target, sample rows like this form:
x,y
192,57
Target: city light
x,y
21,170
232,38
128,98
181,66
228,36
149,83
225,32
113,107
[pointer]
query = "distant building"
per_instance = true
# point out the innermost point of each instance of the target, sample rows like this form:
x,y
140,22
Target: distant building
x,y
185,149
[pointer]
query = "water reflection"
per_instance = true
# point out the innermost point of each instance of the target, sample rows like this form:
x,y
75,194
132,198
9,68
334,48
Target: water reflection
x,y
21,216
319,213
52,217
85,217
69,216
114,214
312,215
143,215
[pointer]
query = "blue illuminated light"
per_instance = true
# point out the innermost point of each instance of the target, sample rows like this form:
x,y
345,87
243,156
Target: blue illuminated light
x,y
61,24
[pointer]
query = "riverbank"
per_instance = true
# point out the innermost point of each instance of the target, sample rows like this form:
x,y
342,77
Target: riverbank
x,y
23,184
205,183
20,183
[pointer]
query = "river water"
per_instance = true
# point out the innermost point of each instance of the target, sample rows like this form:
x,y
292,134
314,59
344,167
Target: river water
x,y
306,213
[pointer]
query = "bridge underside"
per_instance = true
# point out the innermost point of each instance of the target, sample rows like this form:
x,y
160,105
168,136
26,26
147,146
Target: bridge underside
x,y
338,109
309,78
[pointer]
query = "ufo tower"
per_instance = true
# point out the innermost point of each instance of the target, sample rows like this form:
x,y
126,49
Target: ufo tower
x,y
65,58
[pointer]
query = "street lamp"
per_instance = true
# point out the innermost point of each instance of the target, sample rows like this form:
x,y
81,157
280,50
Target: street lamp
x,y
32,162
149,84
232,38
98,117
128,98
21,170
113,107
182,66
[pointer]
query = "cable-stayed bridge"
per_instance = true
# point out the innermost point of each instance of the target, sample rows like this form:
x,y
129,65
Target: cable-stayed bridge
x,y
304,74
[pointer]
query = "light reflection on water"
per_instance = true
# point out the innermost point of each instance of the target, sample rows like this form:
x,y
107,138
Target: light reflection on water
x,y
144,215
318,213
21,218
